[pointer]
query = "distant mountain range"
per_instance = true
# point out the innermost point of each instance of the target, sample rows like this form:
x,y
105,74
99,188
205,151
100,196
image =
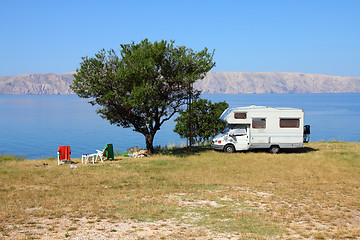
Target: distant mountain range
x,y
214,83
34,83
276,82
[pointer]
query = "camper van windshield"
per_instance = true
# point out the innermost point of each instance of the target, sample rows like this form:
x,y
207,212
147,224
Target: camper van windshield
x,y
234,126
228,127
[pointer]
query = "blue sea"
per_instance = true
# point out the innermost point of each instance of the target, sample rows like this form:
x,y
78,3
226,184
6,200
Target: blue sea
x,y
34,126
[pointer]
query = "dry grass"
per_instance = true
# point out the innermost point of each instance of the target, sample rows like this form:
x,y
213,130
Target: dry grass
x,y
307,194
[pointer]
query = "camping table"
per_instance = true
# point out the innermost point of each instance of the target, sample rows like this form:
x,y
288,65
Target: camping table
x,y
87,156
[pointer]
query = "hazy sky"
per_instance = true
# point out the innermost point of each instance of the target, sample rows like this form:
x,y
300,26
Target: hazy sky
x,y
309,36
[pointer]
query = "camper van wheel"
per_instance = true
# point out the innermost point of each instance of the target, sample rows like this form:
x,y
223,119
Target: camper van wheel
x,y
274,149
229,148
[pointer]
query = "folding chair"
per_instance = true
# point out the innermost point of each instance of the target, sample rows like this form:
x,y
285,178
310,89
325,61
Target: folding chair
x,y
63,153
109,151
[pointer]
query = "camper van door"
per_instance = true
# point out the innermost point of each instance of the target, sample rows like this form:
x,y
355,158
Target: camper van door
x,y
240,135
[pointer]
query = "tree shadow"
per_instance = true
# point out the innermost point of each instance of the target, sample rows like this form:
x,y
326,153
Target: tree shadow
x,y
184,152
301,150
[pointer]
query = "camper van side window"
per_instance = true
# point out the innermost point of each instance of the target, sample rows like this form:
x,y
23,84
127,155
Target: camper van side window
x,y
240,115
289,122
258,123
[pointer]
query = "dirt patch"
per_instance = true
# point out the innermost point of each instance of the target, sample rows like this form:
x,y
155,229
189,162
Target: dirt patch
x,y
92,228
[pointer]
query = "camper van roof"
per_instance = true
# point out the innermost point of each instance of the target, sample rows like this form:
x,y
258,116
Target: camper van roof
x,y
260,107
229,111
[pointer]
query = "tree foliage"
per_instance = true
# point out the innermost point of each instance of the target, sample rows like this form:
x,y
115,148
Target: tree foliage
x,y
144,85
205,120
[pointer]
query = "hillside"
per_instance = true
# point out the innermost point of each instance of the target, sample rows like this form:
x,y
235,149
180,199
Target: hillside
x,y
276,82
42,84
214,83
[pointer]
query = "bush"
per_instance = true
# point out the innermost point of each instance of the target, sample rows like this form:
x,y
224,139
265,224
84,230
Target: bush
x,y
205,121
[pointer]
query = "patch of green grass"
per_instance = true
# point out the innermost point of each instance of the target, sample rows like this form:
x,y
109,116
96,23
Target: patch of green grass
x,y
5,158
229,220
206,186
159,163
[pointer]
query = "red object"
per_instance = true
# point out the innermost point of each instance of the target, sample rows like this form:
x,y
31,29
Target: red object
x,y
104,152
64,152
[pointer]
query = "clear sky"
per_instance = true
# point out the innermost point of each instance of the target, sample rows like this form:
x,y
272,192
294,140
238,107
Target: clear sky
x,y
309,36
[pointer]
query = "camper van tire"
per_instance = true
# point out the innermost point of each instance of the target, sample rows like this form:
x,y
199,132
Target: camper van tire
x,y
274,149
229,148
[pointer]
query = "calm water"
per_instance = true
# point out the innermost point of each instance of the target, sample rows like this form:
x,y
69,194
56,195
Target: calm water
x,y
34,126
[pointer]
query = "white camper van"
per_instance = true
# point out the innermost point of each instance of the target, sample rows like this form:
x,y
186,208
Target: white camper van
x,y
261,127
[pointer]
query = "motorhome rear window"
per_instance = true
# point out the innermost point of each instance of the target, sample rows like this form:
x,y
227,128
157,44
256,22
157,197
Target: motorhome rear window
x,y
240,115
258,123
289,122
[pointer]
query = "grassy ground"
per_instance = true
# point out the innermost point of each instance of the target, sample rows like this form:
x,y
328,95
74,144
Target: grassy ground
x,y
313,193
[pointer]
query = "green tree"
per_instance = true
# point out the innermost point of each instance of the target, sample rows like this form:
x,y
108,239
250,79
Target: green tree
x,y
205,120
143,86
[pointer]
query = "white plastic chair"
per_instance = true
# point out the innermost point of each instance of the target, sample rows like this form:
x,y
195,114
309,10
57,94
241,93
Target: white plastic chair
x,y
100,154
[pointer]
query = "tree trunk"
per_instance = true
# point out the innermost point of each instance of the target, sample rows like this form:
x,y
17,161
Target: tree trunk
x,y
149,139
